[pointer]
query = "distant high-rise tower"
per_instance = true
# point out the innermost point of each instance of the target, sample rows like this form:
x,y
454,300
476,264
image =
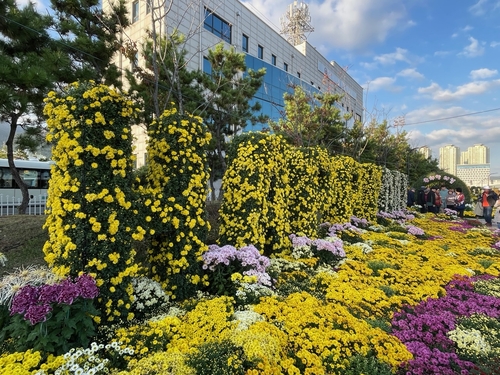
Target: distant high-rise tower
x,y
426,151
449,157
477,154
296,23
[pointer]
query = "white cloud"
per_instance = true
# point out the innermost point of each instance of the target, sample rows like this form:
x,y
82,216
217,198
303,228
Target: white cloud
x,y
473,49
451,126
346,24
400,54
494,44
473,88
483,73
381,83
479,8
410,73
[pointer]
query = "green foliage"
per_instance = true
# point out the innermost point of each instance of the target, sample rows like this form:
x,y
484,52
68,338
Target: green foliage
x,y
164,78
89,36
378,265
383,324
312,120
363,365
69,326
222,358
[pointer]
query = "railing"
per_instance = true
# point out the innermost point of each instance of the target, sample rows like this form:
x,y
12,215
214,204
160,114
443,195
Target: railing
x,y
9,205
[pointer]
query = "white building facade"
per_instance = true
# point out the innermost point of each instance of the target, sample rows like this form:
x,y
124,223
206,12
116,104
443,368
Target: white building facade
x,y
449,158
474,174
207,23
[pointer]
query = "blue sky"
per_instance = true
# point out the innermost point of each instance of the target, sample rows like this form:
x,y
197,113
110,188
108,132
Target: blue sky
x,y
426,60
432,62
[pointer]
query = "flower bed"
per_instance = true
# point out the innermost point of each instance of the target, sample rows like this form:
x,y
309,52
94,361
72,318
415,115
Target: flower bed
x,y
398,302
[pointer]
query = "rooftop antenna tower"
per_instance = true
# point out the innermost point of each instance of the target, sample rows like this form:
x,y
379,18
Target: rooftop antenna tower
x,y
296,23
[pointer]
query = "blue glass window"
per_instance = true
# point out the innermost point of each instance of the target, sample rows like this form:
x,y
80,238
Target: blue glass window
x,y
273,60
207,67
217,26
260,52
244,43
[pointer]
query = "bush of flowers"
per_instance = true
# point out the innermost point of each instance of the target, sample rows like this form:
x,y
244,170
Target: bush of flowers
x,y
52,317
231,271
177,177
91,218
368,294
255,208
276,190
392,305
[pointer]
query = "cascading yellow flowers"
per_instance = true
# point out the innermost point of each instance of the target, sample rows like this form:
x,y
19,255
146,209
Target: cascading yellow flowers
x,y
177,177
272,190
90,194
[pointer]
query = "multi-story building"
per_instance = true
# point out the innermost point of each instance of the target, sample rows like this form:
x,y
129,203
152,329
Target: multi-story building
x,y
477,154
288,60
426,151
474,174
449,158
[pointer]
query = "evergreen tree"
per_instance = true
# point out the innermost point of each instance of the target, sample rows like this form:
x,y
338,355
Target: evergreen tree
x,y
90,38
29,67
229,90
312,120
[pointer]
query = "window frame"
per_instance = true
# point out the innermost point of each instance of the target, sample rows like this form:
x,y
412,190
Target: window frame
x,y
217,26
244,42
135,11
260,52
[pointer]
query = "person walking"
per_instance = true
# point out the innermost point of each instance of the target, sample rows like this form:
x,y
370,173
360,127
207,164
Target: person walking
x,y
430,199
488,200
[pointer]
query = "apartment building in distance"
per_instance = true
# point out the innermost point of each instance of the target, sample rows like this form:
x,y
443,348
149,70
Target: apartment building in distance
x,y
471,166
425,151
287,56
449,158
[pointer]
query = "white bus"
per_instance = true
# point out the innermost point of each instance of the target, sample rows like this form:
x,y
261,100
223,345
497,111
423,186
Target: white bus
x,y
35,174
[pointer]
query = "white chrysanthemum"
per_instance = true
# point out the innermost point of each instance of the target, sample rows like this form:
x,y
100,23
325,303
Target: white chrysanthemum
x,y
246,318
470,339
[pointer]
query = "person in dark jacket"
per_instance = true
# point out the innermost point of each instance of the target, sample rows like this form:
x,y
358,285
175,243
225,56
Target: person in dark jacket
x,y
431,199
421,199
410,198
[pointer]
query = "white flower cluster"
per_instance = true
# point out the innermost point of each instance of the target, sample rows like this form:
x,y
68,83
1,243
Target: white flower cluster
x,y
470,340
327,268
303,251
246,318
376,228
87,361
250,292
148,294
279,265
3,259
31,275
365,248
